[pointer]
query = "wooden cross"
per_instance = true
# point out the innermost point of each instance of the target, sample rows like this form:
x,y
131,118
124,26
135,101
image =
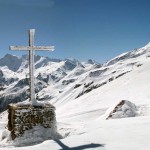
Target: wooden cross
x,y
31,48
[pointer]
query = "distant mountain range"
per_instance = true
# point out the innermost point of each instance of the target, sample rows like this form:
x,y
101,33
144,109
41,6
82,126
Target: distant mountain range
x,y
62,80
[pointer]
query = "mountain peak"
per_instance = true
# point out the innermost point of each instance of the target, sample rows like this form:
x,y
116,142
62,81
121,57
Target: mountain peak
x,y
10,56
147,46
90,61
11,61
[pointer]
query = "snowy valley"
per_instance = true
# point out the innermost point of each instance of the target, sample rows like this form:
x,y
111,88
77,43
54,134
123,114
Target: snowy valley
x,y
98,106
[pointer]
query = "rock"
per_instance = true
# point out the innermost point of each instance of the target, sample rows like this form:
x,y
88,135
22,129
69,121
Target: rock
x,y
123,109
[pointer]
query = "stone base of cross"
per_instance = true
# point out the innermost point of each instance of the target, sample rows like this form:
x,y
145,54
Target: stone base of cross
x,y
31,48
25,117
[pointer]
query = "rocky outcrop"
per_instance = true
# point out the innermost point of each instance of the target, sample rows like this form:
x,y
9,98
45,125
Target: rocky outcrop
x,y
123,109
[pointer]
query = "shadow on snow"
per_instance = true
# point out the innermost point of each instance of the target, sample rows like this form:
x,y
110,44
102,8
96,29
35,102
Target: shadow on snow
x,y
65,147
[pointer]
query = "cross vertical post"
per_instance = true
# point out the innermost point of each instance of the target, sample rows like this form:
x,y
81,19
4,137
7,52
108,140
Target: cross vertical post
x,y
31,48
31,65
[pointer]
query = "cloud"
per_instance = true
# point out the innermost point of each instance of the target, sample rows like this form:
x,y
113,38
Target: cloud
x,y
29,3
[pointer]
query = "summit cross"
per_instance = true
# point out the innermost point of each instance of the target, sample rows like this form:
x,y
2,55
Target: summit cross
x,y
31,48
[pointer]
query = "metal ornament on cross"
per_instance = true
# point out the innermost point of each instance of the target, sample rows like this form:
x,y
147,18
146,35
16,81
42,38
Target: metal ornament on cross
x,y
31,48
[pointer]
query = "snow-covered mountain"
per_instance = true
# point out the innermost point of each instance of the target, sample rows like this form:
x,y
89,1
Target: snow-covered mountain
x,y
62,80
85,95
50,74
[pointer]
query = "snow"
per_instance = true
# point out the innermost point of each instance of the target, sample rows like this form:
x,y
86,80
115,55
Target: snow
x,y
82,122
35,136
38,103
128,133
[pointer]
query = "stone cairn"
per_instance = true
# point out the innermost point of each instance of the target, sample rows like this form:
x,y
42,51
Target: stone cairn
x,y
25,117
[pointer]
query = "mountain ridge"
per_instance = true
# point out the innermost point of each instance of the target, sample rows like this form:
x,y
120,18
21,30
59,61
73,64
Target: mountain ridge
x,y
63,80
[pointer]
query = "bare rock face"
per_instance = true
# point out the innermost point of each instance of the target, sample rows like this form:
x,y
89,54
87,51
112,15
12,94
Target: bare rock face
x,y
25,117
123,109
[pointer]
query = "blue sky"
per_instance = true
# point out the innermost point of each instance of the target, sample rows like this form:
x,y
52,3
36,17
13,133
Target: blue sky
x,y
81,29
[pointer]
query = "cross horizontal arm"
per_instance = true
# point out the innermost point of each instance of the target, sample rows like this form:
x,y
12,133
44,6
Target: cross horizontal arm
x,y
22,48
45,48
40,48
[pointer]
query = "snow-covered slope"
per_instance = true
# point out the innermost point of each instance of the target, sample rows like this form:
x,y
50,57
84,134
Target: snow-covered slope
x,y
133,86
84,93
99,78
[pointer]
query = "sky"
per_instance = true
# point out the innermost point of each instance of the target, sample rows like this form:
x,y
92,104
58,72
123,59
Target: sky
x,y
80,29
